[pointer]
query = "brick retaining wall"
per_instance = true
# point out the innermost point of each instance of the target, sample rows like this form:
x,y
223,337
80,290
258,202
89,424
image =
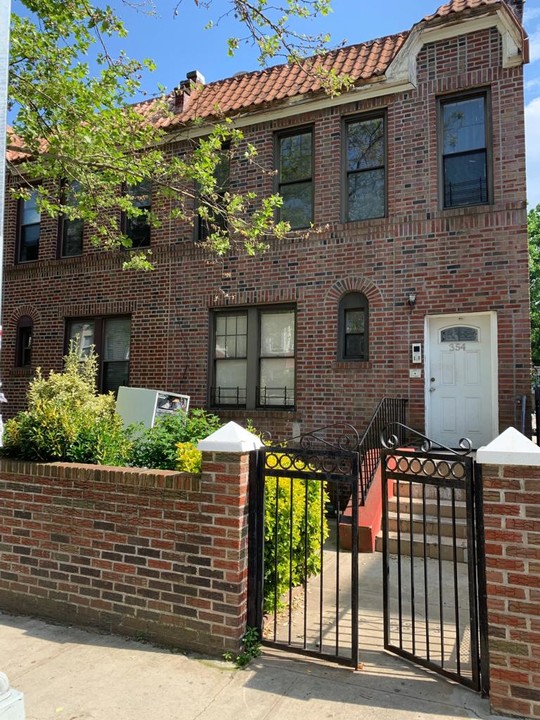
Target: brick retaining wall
x,y
512,533
154,554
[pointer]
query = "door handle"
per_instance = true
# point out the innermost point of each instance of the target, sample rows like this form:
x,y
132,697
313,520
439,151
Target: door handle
x,y
432,389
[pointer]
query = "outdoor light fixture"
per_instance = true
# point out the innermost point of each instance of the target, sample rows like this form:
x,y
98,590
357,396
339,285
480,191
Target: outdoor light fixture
x,y
411,299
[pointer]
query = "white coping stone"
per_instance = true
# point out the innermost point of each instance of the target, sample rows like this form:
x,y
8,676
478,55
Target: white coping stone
x,y
510,448
11,701
230,438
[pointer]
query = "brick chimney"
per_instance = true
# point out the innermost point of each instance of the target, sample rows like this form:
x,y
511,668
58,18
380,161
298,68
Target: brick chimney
x,y
183,91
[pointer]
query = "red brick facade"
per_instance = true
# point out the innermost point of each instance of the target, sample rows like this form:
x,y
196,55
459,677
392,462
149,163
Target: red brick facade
x,y
512,534
153,554
461,260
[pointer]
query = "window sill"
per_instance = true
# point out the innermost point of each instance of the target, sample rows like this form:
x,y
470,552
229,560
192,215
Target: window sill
x,y
352,365
466,209
21,372
232,413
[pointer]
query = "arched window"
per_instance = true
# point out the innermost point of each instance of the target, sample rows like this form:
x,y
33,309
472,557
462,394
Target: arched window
x,y
25,331
353,327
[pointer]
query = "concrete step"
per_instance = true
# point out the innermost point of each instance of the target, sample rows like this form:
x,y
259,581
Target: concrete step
x,y
434,549
444,508
428,525
415,489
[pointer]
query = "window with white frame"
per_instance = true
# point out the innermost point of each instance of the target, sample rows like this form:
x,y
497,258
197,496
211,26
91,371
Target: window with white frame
x,y
253,357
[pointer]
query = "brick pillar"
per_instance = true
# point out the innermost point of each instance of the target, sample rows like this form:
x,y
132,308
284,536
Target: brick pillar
x,y
512,536
224,488
224,505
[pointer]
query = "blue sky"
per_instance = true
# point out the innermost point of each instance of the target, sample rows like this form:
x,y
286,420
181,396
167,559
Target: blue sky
x,y
179,44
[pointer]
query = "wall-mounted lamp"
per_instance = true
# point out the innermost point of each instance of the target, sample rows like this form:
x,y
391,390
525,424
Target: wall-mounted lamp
x,y
411,300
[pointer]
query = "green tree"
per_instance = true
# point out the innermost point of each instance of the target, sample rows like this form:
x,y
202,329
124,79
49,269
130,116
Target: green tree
x,y
78,127
533,227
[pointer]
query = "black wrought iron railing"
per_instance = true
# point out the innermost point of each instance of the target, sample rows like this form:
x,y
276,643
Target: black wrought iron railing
x,y
388,411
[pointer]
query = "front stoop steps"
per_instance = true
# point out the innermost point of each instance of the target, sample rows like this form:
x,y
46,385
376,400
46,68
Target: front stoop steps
x,y
430,522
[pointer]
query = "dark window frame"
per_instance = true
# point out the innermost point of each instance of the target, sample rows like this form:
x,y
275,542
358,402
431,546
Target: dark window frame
x,y
442,101
346,173
253,358
63,227
279,184
201,226
127,224
24,342
20,232
352,301
98,341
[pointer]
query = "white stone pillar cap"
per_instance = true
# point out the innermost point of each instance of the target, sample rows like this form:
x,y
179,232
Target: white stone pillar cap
x,y
4,684
232,438
510,448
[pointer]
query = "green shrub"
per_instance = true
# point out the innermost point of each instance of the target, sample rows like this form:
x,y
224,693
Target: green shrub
x,y
301,530
188,458
156,446
67,420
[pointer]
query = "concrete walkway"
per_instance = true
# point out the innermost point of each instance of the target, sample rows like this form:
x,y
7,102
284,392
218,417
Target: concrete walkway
x,y
72,674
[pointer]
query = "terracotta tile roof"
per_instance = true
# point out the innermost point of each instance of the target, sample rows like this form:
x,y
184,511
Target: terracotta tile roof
x,y
256,90
458,6
248,92
260,89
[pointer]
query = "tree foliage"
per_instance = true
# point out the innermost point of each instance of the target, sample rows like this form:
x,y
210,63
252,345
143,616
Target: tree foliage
x,y
533,227
76,123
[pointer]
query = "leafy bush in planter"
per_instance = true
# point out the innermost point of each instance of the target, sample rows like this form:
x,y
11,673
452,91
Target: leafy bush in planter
x,y
301,529
67,420
156,447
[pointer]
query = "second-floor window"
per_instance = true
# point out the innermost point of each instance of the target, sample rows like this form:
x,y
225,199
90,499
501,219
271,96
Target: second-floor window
x,y
71,230
365,168
295,177
465,158
110,337
253,358
138,228
29,229
216,219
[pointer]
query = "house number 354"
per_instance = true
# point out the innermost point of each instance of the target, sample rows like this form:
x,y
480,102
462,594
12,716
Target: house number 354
x,y
457,346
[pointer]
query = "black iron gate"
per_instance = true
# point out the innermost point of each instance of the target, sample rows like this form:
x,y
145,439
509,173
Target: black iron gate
x,y
433,577
303,589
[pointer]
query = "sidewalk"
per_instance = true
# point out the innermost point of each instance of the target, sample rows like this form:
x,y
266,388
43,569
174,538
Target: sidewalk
x,y
67,673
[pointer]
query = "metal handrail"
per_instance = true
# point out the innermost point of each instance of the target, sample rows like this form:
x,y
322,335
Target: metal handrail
x,y
388,411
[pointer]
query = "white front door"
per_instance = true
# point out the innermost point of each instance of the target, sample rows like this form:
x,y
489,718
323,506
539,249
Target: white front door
x,y
461,378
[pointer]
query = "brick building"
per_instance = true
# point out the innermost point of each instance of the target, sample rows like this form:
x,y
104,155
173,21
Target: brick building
x,y
416,286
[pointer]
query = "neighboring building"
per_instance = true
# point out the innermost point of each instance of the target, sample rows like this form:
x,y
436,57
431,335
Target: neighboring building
x,y
416,287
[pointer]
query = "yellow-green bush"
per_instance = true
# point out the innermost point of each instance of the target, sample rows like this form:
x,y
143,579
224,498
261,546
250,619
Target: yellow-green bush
x,y
67,420
295,528
188,458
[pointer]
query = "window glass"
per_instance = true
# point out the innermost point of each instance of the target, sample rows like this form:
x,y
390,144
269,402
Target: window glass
x,y
82,333
72,230
23,357
353,327
29,230
296,178
277,381
116,339
295,157
230,382
231,336
459,334
366,174
297,204
464,125
138,228
464,148
277,334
